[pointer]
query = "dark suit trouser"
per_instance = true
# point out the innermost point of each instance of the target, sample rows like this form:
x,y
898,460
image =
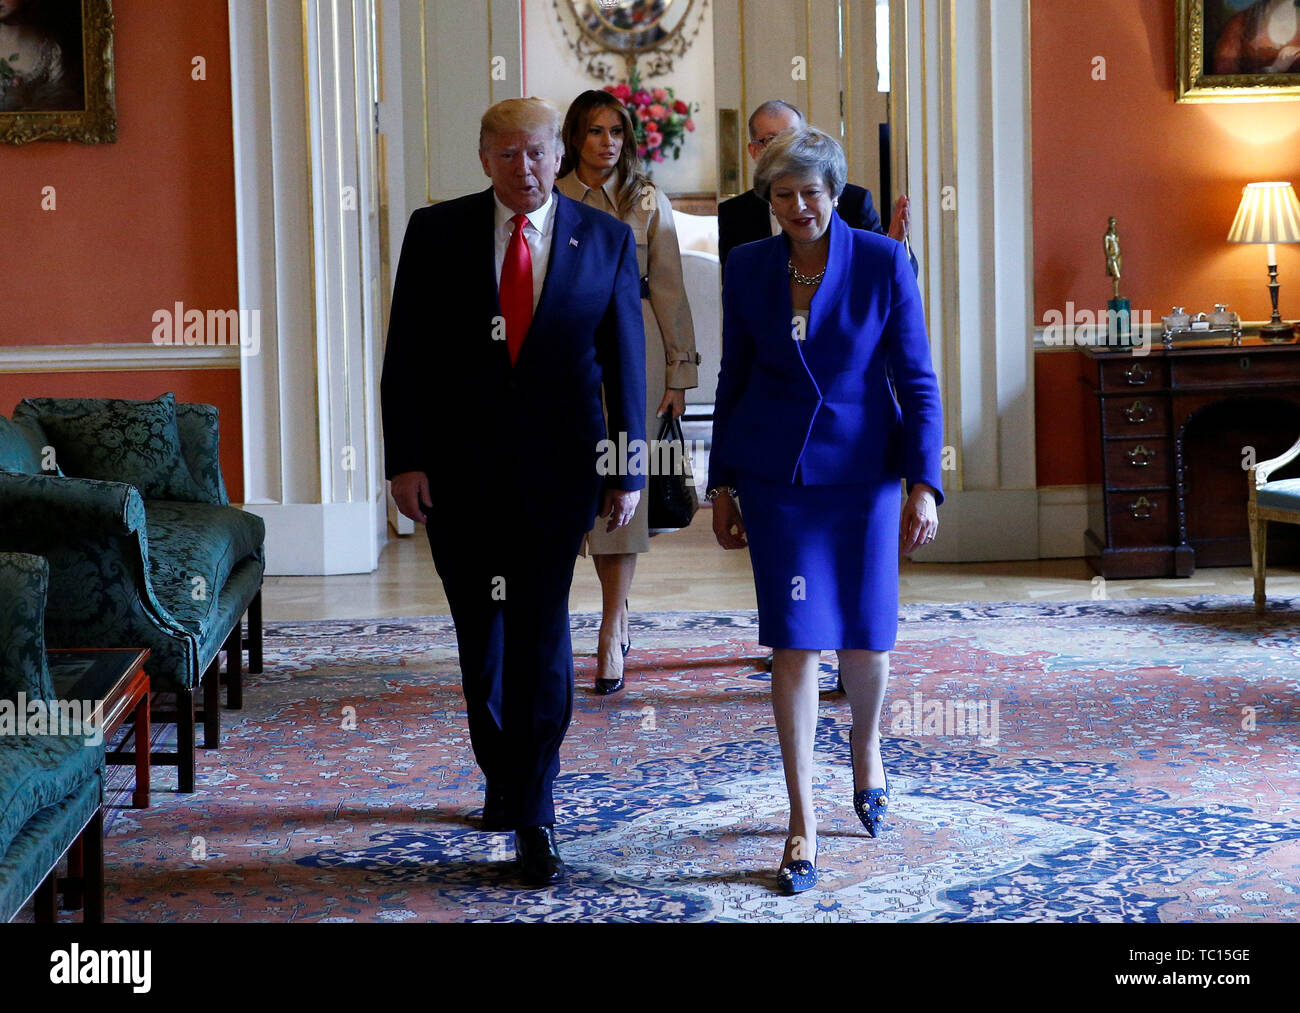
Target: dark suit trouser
x,y
510,604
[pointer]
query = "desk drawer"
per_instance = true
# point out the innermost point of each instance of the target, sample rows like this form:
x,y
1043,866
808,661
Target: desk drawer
x,y
1133,373
1139,519
1235,370
1135,416
1136,463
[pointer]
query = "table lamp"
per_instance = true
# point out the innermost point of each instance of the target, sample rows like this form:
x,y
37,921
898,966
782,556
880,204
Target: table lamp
x,y
1269,213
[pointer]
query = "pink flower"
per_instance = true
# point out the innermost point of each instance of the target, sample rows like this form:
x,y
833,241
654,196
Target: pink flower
x,y
690,125
642,98
651,126
658,156
658,111
660,95
621,92
653,139
681,107
641,150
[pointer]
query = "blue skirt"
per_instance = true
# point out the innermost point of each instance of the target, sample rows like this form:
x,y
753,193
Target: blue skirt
x,y
825,561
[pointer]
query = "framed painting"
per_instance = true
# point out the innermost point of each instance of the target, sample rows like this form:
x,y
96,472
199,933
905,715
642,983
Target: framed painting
x,y
56,71
1238,50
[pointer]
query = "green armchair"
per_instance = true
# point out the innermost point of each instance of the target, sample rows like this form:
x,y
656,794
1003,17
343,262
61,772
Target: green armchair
x,y
51,782
144,548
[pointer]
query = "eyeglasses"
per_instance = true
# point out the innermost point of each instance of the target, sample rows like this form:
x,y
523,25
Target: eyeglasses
x,y
763,142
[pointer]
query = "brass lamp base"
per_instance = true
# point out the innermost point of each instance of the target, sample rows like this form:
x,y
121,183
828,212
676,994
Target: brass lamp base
x,y
1277,332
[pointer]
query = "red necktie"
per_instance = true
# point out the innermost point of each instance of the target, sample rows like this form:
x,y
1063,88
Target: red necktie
x,y
516,289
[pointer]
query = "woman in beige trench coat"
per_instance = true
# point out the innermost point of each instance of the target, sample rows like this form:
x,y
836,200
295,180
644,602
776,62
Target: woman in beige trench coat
x,y
601,169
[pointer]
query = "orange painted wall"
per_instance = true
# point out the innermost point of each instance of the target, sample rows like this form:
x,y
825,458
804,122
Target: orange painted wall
x,y
1172,174
140,224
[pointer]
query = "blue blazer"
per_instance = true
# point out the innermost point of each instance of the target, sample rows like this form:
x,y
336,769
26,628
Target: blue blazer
x,y
453,405
856,400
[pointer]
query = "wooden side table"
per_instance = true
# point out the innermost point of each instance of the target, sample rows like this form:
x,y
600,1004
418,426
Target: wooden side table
x,y
116,678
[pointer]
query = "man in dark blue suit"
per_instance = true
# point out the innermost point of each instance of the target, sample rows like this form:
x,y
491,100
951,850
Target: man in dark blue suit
x,y
747,219
512,309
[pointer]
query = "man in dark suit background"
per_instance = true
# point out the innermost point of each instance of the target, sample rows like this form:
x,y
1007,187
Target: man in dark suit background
x,y
747,219
511,310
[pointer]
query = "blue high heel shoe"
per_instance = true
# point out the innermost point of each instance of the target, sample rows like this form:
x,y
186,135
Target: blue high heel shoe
x,y
797,875
871,804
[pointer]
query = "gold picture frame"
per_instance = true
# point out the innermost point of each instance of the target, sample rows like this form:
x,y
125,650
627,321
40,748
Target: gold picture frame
x,y
70,47
1210,30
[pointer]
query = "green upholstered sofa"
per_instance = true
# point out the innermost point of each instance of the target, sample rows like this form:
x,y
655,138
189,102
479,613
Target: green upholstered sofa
x,y
126,501
51,782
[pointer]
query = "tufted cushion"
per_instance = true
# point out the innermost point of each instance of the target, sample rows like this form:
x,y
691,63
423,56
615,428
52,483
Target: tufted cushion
x,y
136,442
24,583
197,540
38,771
1283,495
22,447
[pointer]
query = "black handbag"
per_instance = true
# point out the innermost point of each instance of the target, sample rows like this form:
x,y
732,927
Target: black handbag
x,y
673,500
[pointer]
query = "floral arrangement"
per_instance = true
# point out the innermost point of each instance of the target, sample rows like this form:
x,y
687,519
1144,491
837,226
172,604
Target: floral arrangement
x,y
662,120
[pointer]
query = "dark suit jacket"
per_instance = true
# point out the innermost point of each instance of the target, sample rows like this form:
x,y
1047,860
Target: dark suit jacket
x,y
453,405
826,401
746,219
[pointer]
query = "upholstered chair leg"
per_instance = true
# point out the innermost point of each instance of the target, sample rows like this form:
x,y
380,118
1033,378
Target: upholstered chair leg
x,y
93,864
43,903
72,892
212,705
235,670
255,634
185,740
1258,554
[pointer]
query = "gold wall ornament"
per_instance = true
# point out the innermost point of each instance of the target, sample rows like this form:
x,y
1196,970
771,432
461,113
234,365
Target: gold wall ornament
x,y
612,38
27,115
1202,24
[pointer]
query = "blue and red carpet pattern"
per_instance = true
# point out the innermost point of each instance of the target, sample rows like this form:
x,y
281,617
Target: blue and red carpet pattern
x,y
1100,762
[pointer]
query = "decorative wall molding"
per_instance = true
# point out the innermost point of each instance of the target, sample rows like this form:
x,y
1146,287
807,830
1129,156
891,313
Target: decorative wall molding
x,y
307,215
963,101
110,358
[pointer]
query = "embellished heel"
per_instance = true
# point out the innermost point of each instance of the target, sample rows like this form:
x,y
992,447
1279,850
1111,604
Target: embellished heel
x,y
797,875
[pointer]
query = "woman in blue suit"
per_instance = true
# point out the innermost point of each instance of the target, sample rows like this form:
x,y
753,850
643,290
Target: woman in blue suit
x,y
826,398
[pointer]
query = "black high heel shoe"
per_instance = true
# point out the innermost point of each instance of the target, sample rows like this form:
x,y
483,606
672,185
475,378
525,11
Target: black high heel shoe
x,y
607,686
797,875
871,804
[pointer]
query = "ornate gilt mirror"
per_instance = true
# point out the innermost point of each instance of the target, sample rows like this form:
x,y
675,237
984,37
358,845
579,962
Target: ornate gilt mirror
x,y
653,33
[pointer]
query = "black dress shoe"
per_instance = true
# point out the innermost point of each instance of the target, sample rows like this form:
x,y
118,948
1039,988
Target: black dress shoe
x,y
539,858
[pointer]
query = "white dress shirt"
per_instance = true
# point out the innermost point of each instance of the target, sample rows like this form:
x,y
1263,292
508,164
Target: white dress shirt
x,y
537,234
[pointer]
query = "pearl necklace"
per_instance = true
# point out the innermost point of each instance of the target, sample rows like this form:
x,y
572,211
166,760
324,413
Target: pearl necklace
x,y
804,279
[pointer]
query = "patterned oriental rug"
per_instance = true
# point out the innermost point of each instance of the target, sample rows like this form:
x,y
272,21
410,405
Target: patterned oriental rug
x,y
1099,762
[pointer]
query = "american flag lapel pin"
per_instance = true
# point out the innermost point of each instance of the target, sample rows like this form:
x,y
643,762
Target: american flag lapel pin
x,y
572,241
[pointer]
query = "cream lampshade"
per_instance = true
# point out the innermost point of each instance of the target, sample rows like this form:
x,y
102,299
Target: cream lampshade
x,y
1269,213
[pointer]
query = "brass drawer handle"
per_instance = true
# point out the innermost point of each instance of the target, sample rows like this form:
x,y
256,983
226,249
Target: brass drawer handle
x,y
1137,413
1244,362
1141,510
1137,375
1141,457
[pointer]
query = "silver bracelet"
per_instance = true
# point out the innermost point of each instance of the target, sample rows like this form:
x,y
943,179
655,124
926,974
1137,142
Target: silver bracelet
x,y
716,491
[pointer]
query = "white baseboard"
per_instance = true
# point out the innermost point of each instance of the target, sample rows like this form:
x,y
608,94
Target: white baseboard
x,y
321,539
1063,518
985,526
